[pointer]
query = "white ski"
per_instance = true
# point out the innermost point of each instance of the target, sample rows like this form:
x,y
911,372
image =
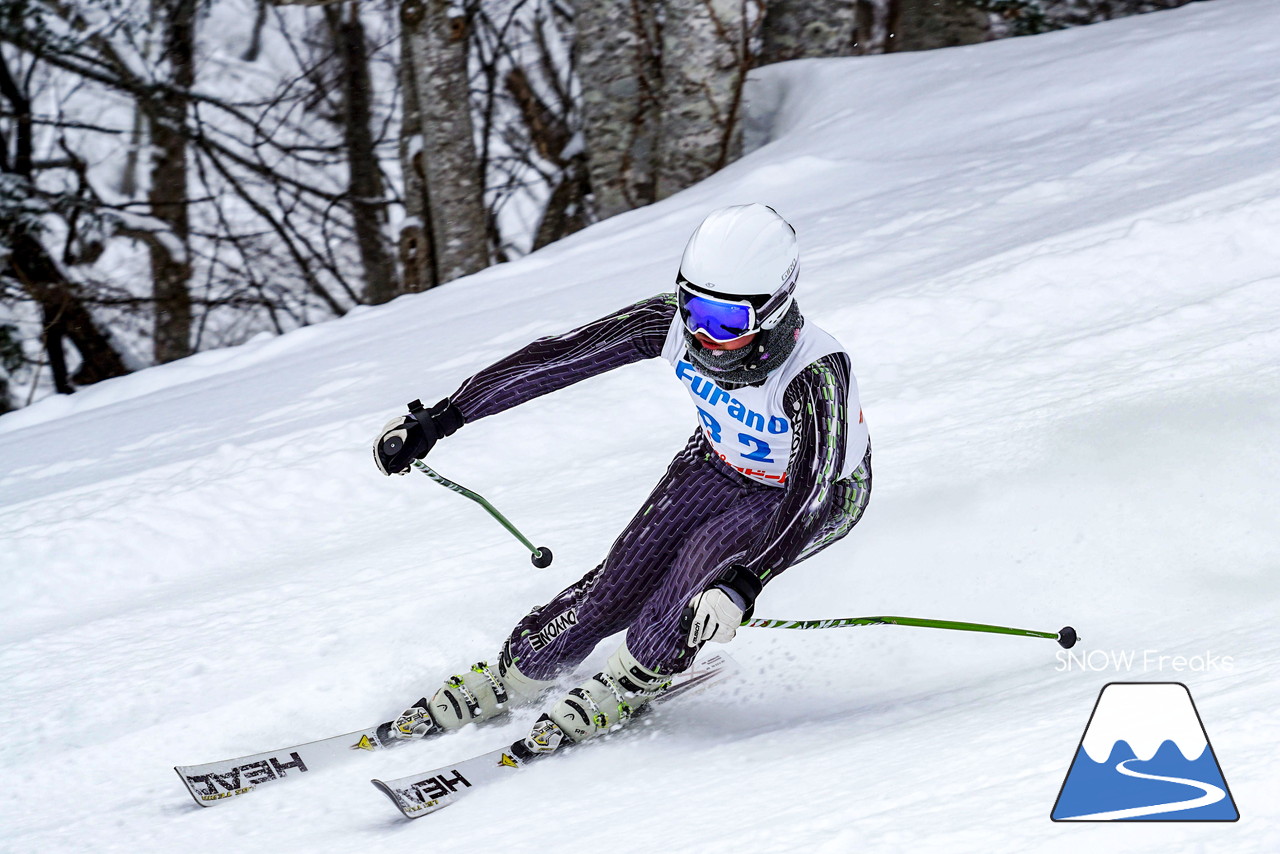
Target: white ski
x,y
420,794
215,782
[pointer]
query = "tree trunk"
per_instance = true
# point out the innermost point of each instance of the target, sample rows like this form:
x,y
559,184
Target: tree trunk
x,y
417,256
929,24
167,109
705,57
800,29
127,186
62,308
564,213
254,49
64,314
551,137
617,52
872,28
453,191
364,187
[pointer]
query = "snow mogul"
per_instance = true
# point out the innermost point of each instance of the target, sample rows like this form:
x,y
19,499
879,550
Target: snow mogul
x,y
778,469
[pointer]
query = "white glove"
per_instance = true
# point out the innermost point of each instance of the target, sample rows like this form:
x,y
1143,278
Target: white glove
x,y
716,615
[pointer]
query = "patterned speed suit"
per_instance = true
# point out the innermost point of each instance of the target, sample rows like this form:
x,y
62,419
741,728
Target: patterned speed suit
x,y
701,516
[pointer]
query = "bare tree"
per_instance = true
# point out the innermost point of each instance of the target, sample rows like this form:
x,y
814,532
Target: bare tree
x,y
167,194
618,57
706,53
365,189
417,252
26,263
441,147
551,136
530,127
243,218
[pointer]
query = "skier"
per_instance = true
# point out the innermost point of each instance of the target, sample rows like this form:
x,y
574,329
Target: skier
x,y
778,469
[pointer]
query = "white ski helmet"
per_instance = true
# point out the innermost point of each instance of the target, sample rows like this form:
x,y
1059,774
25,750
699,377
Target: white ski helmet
x,y
743,253
738,277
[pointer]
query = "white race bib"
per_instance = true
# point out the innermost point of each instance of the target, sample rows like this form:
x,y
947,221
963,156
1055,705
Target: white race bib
x,y
749,427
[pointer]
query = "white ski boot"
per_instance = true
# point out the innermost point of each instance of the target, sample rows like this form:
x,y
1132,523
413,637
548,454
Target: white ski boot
x,y
478,695
605,701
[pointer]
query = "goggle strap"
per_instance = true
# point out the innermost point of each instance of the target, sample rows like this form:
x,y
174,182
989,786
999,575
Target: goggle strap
x,y
780,296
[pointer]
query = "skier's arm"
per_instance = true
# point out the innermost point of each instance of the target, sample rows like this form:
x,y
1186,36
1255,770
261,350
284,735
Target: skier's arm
x,y
634,333
548,364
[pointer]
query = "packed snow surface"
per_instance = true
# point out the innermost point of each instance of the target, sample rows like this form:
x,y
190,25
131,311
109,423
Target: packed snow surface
x,y
1055,263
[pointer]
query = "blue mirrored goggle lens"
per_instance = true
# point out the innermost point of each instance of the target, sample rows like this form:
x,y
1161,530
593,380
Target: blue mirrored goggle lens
x,y
721,321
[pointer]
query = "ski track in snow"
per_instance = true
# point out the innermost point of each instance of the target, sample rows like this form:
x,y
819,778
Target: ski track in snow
x,y
1053,260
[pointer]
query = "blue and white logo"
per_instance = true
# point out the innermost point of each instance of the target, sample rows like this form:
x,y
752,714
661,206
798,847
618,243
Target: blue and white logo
x,y
1145,756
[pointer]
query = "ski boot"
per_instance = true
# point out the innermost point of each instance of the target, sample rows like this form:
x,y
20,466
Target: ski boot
x,y
482,693
604,702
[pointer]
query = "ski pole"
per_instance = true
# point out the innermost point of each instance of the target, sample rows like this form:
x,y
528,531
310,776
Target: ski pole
x,y
541,555
1066,636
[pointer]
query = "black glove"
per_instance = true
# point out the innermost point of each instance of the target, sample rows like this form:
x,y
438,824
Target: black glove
x,y
406,438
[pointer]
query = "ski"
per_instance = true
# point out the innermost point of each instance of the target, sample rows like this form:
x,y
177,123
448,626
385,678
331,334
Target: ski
x,y
215,782
421,794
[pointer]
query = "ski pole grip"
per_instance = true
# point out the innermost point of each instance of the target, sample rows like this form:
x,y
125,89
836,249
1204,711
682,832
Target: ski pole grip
x,y
393,444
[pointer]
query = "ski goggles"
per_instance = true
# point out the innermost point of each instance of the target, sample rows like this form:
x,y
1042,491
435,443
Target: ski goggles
x,y
722,319
719,319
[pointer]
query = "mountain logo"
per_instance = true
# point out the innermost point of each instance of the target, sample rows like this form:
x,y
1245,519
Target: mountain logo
x,y
1145,756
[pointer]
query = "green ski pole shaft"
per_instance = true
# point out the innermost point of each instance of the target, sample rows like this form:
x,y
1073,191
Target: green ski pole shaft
x,y
1066,636
541,555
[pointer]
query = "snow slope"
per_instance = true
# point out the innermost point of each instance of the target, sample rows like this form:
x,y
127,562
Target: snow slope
x,y
1054,262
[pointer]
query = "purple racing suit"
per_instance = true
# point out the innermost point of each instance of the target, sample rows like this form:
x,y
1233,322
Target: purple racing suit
x,y
702,516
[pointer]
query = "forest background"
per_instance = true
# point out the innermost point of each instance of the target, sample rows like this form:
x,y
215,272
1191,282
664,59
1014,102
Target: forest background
x,y
182,175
